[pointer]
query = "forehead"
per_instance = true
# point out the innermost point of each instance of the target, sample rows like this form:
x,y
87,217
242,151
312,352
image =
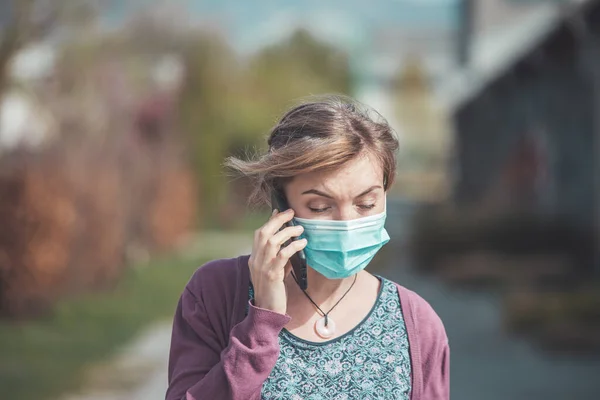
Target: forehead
x,y
359,173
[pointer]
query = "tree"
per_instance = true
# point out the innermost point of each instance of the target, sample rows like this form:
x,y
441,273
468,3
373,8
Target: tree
x,y
207,114
228,105
426,136
300,66
423,126
32,20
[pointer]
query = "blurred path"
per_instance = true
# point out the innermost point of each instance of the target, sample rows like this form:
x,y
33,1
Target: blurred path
x,y
139,370
154,386
486,363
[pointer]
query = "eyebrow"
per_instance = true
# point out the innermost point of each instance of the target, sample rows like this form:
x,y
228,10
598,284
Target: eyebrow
x,y
319,193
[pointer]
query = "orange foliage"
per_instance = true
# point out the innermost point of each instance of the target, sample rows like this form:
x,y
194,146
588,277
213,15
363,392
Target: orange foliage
x,y
173,209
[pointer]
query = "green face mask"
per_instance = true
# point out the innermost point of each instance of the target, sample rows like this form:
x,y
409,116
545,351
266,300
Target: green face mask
x,y
339,249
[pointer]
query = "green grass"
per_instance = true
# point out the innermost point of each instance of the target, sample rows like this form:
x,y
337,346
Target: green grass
x,y
43,358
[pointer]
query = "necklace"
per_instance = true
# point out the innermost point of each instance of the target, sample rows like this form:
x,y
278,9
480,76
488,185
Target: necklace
x,y
325,326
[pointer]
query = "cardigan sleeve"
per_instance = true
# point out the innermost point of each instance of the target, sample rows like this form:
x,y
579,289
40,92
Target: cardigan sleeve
x,y
436,373
434,351
199,368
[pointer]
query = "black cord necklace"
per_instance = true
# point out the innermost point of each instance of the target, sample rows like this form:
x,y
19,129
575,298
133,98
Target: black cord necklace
x,y
325,326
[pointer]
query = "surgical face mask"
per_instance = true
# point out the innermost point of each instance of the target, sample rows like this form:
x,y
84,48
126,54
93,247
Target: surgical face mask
x,y
339,249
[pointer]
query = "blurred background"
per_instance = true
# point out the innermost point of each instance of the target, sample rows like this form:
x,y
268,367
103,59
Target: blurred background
x,y
116,116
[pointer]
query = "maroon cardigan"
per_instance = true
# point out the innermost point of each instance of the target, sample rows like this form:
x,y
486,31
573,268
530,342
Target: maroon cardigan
x,y
219,352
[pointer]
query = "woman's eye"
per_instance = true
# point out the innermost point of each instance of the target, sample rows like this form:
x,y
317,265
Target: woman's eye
x,y
366,206
319,210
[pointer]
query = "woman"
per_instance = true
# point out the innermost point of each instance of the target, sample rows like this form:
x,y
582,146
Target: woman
x,y
244,329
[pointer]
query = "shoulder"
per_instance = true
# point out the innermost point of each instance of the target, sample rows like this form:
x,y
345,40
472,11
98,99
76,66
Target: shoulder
x,y
421,315
217,277
209,302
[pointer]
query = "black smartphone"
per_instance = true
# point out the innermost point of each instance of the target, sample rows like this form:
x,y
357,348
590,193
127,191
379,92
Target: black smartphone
x,y
298,260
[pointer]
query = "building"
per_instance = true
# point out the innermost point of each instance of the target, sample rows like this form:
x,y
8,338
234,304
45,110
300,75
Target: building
x,y
526,114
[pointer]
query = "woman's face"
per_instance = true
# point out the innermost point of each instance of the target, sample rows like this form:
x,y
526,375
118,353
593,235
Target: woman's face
x,y
354,190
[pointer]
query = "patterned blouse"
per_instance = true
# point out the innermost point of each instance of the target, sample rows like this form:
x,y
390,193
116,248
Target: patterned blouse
x,y
370,362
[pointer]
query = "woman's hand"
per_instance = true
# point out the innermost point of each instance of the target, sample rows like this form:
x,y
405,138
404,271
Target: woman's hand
x,y
269,263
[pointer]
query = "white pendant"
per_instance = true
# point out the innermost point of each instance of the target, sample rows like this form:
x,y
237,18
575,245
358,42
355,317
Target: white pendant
x,y
323,331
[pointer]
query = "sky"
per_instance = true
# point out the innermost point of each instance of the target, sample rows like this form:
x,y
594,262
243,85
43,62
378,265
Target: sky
x,y
250,25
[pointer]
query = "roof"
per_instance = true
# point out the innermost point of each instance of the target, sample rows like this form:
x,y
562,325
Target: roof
x,y
495,53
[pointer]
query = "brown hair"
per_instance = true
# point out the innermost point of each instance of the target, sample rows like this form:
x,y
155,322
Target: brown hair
x,y
316,135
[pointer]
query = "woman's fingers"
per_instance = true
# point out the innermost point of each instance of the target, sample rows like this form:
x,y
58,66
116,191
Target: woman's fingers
x,y
259,236
269,262
261,247
265,232
273,245
286,252
277,240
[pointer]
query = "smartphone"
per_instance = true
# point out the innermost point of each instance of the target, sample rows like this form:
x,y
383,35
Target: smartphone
x,y
298,260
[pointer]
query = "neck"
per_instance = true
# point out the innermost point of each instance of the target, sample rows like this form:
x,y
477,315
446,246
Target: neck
x,y
323,291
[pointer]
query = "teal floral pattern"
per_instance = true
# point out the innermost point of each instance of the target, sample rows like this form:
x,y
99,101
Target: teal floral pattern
x,y
370,362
